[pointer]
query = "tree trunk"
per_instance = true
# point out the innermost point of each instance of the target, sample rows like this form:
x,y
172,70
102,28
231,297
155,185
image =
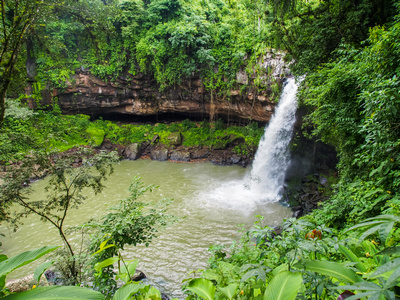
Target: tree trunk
x,y
3,90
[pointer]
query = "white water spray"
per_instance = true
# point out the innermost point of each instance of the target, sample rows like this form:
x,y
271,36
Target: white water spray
x,y
273,157
264,183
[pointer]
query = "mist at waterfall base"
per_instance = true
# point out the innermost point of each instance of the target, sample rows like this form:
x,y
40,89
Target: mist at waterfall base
x,y
264,182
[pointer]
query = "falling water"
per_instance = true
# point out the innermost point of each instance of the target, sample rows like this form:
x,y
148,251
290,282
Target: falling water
x,y
264,183
272,158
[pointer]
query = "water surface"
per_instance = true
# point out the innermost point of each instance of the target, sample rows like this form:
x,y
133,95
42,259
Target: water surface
x,y
210,215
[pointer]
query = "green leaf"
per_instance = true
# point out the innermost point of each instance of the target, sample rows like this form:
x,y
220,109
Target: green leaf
x,y
202,287
333,269
384,231
390,250
283,286
229,291
389,266
130,267
279,269
352,257
211,275
358,286
372,296
370,231
105,263
153,294
364,224
22,259
57,292
2,281
40,269
393,279
259,272
127,291
386,218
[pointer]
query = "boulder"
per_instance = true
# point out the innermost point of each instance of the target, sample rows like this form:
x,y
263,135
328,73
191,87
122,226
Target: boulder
x,y
201,153
132,151
234,159
159,154
179,156
139,275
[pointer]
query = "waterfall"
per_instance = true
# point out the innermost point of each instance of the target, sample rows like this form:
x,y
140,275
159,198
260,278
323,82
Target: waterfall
x,y
272,158
264,183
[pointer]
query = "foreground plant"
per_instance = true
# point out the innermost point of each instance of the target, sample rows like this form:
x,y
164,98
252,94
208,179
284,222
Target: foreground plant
x,y
64,190
8,265
306,261
131,222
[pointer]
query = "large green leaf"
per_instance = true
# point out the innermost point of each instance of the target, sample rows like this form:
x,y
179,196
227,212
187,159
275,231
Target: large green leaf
x,y
39,270
22,259
105,263
279,269
393,279
284,286
389,266
229,291
211,275
352,257
333,269
127,291
259,272
57,292
153,294
202,287
390,250
129,267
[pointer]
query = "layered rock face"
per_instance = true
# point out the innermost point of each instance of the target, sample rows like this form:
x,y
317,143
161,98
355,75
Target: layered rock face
x,y
139,95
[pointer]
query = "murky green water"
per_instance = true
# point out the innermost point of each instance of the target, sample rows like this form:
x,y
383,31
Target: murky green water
x,y
208,217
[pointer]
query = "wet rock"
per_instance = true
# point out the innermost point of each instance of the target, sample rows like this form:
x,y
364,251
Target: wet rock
x,y
132,151
234,159
297,212
218,161
159,154
323,180
53,277
200,153
20,285
139,275
164,297
180,156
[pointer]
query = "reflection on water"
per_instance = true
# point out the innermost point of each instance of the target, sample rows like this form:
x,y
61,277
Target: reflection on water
x,y
211,200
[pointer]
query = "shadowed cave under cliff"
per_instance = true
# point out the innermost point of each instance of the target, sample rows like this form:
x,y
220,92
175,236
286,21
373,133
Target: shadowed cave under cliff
x,y
169,118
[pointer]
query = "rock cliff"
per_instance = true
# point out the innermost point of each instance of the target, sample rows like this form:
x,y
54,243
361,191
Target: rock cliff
x,y
139,95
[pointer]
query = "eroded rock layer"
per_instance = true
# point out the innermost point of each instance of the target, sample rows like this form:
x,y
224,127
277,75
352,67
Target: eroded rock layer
x,y
140,96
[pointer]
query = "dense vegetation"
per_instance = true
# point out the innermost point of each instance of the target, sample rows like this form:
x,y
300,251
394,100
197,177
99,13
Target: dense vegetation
x,y
166,40
25,130
349,52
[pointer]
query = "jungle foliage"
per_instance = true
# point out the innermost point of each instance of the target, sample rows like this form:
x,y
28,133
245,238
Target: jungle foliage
x,y
347,249
166,40
349,52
